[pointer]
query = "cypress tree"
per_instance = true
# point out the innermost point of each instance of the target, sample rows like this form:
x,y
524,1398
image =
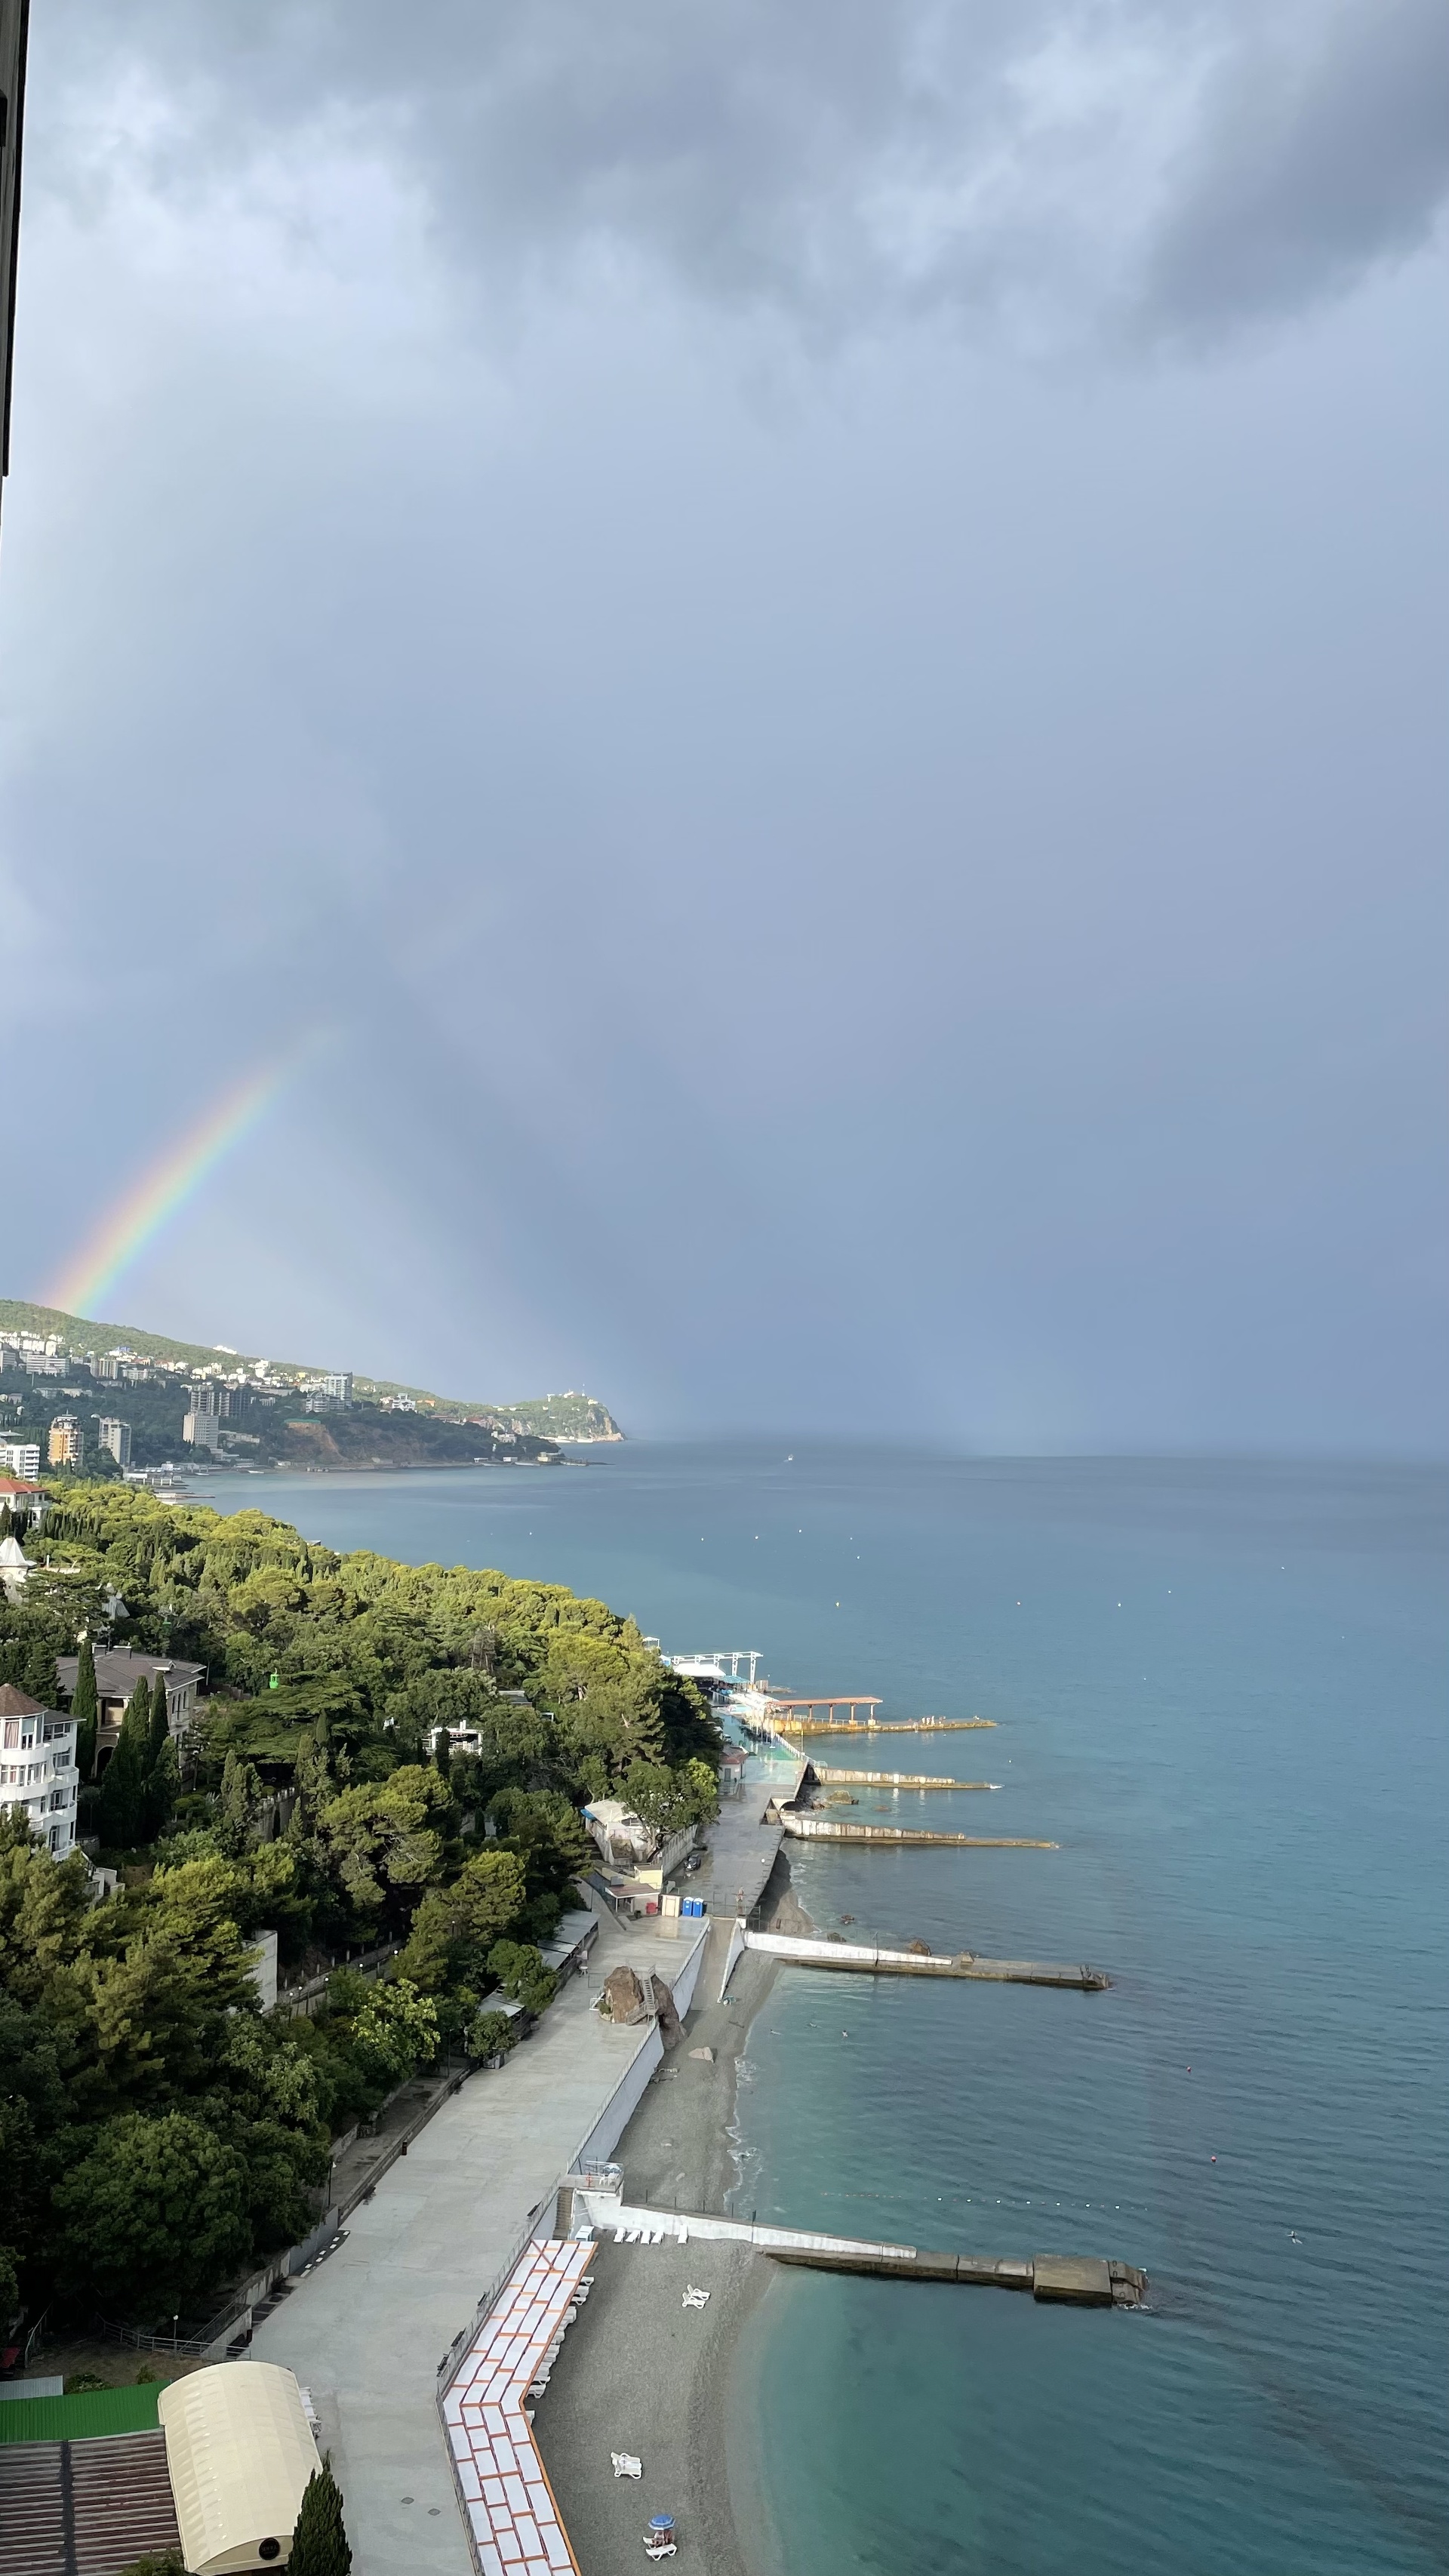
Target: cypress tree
x,y
319,2543
123,1789
240,1789
85,1709
163,1787
39,1676
160,1721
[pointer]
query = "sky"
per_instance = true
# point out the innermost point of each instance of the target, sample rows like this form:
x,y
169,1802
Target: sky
x,y
777,673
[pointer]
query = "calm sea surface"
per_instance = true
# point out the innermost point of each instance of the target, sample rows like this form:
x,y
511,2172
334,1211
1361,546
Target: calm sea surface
x,y
1222,1690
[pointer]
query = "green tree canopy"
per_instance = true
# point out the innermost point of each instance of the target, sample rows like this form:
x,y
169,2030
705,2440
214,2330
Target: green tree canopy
x,y
152,2217
455,1927
383,1839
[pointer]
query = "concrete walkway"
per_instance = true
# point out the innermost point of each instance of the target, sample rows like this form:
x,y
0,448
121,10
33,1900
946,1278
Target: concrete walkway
x,y
366,2331
742,1847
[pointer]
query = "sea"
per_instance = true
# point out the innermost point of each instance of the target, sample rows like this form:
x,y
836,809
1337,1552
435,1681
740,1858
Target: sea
x,y
1219,1689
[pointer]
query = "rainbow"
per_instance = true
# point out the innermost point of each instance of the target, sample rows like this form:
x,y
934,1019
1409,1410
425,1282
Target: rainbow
x,y
134,1222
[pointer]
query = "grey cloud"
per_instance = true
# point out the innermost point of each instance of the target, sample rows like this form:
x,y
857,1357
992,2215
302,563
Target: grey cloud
x,y
1135,167
1311,160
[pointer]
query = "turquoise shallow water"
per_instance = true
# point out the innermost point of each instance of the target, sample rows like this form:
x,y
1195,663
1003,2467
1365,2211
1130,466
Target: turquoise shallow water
x,y
1222,1689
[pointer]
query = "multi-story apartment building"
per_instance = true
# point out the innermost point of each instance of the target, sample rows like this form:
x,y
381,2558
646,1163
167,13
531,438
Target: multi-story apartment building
x,y
37,1767
116,1437
207,1407
67,1441
21,1458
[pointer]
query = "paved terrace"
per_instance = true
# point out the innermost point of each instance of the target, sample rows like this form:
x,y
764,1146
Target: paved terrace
x,y
366,2331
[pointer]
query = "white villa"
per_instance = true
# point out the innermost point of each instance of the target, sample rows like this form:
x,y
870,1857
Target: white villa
x,y
37,1767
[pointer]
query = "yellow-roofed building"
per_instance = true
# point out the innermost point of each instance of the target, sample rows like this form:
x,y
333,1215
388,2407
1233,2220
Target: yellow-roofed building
x,y
239,2453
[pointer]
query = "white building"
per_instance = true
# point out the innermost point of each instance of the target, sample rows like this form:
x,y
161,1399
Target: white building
x,y
201,1430
116,1437
37,1767
21,1458
622,1837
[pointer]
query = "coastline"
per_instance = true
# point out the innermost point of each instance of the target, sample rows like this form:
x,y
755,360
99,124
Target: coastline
x,y
640,2373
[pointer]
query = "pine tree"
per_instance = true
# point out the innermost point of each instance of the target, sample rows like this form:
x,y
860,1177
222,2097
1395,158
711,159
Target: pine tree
x,y
85,1709
319,2543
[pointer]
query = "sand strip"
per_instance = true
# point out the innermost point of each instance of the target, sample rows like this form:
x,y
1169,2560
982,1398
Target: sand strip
x,y
639,2372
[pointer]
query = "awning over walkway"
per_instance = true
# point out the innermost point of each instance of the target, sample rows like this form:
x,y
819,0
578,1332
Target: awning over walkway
x,y
239,2451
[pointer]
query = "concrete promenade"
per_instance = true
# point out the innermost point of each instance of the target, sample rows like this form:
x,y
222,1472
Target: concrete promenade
x,y
366,2331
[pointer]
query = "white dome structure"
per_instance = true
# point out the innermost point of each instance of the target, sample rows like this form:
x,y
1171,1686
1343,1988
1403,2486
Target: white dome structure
x,y
239,2453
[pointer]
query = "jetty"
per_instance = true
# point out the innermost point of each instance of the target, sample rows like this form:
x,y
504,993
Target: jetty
x,y
809,1827
829,1776
787,1725
782,1707
595,2202
865,1959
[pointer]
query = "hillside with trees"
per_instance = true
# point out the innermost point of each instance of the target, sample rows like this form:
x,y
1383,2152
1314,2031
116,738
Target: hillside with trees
x,y
161,2131
264,1427
572,1416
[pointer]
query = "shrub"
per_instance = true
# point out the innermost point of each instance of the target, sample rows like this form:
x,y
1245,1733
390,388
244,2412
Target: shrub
x,y
492,2034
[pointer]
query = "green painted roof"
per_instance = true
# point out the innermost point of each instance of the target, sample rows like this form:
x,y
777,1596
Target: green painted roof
x,y
77,2419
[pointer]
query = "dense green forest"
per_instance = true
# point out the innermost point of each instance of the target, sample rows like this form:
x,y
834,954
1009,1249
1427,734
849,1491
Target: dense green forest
x,y
160,2132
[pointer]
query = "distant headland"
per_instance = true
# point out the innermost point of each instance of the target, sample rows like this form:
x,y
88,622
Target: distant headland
x,y
114,1398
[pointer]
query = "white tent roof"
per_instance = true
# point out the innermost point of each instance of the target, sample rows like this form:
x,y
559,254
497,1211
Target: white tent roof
x,y
239,2452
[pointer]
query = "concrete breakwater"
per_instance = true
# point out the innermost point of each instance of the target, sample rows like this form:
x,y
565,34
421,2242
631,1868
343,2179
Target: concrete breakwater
x,y
1073,2280
830,1776
830,1829
863,1959
1079,2280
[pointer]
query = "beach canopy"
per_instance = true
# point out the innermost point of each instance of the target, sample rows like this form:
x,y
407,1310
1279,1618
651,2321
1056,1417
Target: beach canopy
x,y
239,2451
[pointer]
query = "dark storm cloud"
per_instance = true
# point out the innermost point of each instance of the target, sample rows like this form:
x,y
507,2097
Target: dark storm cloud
x,y
864,883
1320,148
1140,167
